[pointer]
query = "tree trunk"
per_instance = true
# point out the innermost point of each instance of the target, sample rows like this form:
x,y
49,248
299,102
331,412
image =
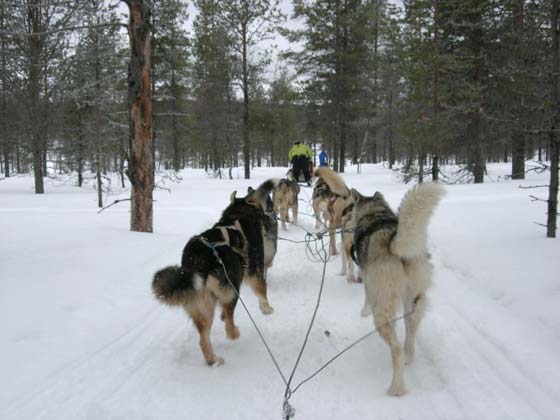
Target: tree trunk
x,y
140,167
518,156
554,140
518,143
435,106
35,47
246,138
4,93
99,188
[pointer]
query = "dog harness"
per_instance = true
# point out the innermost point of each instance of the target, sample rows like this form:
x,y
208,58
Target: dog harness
x,y
226,241
369,229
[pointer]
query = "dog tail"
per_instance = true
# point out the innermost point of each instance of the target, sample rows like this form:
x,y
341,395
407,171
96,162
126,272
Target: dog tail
x,y
414,214
333,180
174,285
267,186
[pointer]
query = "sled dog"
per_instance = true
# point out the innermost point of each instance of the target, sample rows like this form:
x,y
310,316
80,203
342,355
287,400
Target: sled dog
x,y
333,202
285,197
391,251
269,221
205,279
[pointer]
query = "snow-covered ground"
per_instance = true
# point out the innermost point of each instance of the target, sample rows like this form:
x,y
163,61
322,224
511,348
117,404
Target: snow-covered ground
x,y
83,338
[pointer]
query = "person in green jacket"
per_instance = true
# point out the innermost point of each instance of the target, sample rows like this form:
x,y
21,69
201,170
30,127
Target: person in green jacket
x,y
300,155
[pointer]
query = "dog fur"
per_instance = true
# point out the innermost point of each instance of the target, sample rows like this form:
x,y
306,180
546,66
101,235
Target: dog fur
x,y
269,222
200,283
285,197
392,253
333,201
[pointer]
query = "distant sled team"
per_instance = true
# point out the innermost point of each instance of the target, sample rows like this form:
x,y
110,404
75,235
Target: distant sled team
x,y
390,250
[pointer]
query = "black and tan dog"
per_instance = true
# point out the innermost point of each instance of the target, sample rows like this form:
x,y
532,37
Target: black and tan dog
x,y
205,279
285,197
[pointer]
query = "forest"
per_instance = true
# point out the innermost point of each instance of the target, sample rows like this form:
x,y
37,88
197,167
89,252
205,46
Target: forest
x,y
433,88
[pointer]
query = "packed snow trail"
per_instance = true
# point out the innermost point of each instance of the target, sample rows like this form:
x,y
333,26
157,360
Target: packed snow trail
x,y
84,339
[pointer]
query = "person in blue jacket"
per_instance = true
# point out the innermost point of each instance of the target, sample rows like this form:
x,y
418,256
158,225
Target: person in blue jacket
x,y
323,158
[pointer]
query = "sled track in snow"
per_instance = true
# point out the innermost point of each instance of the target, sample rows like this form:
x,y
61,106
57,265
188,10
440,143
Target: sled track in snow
x,y
75,378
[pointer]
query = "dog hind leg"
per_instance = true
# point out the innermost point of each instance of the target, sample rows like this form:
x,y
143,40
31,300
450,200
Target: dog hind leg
x,y
203,315
232,331
259,288
414,309
386,329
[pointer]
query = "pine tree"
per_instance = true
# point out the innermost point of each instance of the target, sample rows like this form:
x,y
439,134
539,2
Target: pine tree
x,y
250,22
170,74
333,59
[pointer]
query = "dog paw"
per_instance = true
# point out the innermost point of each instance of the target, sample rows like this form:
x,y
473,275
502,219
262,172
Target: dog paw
x,y
216,361
396,390
266,309
232,333
219,361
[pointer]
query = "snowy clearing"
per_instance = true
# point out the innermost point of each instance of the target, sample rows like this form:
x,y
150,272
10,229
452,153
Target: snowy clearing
x,y
83,337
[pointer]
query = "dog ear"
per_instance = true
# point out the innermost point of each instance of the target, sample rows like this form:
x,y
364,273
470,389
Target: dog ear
x,y
378,196
250,190
232,196
356,196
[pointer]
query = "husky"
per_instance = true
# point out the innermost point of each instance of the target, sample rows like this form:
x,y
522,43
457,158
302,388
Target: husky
x,y
200,282
391,251
214,264
347,233
285,197
333,201
269,222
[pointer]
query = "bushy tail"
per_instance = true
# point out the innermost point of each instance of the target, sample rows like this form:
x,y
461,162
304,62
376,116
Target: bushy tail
x,y
414,214
333,180
174,286
266,188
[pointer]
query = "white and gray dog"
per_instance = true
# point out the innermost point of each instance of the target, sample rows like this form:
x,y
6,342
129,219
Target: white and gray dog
x,y
391,251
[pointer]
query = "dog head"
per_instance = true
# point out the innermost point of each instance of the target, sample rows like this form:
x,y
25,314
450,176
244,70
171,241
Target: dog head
x,y
373,206
248,199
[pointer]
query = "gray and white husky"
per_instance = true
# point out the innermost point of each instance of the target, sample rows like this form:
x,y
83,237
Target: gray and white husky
x,y
391,251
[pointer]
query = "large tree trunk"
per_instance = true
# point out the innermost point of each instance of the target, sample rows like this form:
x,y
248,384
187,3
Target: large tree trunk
x,y
3,93
140,169
246,138
554,140
35,47
435,105
518,156
518,139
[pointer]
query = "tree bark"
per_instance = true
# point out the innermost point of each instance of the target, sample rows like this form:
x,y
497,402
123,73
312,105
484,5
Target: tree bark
x,y
518,140
35,48
246,134
4,93
554,141
140,170
435,105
